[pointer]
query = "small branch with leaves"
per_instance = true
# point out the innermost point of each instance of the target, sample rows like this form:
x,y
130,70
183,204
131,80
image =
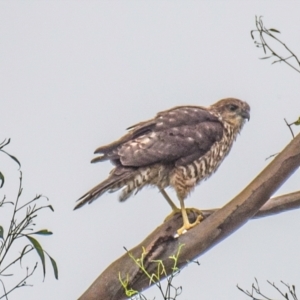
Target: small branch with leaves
x,y
170,293
22,227
290,58
263,41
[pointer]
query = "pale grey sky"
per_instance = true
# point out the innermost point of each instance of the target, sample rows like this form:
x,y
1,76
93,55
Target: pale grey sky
x,y
75,74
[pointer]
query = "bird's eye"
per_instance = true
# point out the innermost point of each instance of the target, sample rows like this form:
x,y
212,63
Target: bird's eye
x,y
232,107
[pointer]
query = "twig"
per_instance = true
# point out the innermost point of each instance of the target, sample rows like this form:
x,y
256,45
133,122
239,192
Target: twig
x,y
22,283
257,291
14,261
289,126
4,289
263,31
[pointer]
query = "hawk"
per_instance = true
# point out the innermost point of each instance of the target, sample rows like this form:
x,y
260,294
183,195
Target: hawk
x,y
178,148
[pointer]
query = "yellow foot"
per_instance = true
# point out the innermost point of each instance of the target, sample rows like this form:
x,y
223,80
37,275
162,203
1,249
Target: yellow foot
x,y
188,210
193,210
188,226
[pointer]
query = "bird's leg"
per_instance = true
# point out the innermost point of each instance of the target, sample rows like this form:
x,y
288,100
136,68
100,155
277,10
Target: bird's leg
x,y
171,203
186,223
183,210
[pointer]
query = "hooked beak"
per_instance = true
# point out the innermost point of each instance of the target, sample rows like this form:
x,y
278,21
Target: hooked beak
x,y
245,114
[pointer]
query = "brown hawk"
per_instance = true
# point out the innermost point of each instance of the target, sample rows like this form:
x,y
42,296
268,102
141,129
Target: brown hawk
x,y
178,148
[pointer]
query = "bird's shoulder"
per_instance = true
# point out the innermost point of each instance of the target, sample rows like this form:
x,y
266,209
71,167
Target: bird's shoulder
x,y
175,117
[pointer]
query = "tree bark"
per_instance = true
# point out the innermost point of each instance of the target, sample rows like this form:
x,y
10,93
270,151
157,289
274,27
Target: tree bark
x,y
216,226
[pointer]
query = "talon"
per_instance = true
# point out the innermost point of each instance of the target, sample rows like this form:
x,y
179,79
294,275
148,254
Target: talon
x,y
199,219
186,223
188,226
184,212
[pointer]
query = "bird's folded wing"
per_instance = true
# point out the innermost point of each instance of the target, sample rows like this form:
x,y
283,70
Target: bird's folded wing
x,y
184,143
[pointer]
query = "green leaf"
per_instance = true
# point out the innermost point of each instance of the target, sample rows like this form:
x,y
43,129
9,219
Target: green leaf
x,y
297,122
4,143
23,251
1,232
54,265
39,250
13,158
274,30
2,180
43,232
50,206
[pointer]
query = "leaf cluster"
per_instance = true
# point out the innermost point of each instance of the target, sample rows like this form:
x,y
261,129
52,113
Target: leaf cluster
x,y
21,227
170,292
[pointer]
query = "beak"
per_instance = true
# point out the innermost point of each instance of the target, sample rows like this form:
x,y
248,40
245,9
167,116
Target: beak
x,y
245,114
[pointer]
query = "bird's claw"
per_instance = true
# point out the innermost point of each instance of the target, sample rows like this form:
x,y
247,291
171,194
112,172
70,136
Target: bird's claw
x,y
188,226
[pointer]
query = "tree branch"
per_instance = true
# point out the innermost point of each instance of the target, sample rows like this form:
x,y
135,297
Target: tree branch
x,y
273,206
161,244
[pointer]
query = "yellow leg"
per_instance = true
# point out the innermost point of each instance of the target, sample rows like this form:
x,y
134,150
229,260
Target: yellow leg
x,y
171,203
186,223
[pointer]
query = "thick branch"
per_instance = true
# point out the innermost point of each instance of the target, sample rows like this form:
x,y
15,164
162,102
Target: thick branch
x,y
161,244
273,206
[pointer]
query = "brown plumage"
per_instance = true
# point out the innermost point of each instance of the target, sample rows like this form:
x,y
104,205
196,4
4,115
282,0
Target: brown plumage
x,y
178,148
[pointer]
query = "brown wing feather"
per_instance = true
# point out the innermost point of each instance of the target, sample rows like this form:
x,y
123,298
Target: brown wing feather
x,y
185,131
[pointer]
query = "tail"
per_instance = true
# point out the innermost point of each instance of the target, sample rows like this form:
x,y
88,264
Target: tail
x,y
113,183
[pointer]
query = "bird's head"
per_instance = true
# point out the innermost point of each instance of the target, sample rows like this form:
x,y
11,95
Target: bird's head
x,y
233,111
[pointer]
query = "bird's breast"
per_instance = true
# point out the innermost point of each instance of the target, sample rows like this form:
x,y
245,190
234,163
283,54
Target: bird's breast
x,y
185,178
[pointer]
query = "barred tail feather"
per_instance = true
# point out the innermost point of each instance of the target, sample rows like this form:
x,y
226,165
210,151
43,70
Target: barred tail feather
x,y
94,193
111,184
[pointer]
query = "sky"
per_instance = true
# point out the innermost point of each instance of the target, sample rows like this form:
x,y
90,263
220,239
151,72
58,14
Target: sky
x,y
75,74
